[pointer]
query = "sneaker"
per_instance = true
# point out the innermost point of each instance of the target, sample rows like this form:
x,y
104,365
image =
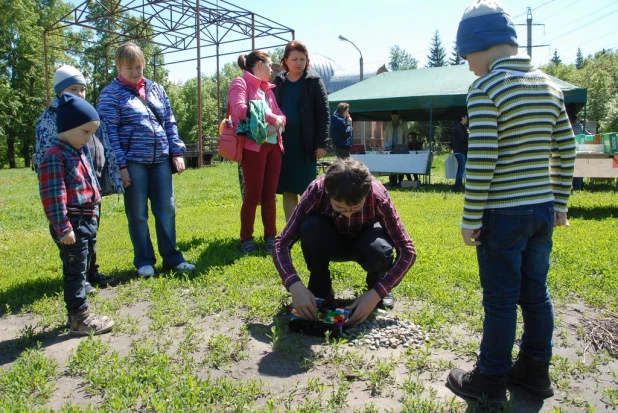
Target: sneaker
x,y
388,301
100,279
184,267
248,247
89,288
532,375
84,323
474,385
269,244
146,271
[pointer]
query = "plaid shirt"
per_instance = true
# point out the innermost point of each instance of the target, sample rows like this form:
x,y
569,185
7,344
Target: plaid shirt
x,y
66,181
378,207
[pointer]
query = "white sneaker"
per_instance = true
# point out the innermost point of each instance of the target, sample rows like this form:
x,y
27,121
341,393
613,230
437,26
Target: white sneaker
x,y
146,271
185,267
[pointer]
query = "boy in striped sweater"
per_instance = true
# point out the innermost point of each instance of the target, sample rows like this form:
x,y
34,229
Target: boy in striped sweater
x,y
521,156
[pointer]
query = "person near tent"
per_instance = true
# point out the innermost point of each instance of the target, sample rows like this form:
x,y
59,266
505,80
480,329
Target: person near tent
x,y
394,137
459,143
341,130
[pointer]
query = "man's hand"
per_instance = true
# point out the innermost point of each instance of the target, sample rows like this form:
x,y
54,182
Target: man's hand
x,y
179,162
470,236
363,306
320,153
560,219
303,301
126,179
68,238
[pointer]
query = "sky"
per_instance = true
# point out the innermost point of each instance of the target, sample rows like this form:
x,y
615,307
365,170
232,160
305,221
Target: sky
x,y
374,27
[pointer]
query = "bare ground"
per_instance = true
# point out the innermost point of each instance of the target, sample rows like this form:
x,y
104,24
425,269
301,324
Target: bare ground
x,y
283,369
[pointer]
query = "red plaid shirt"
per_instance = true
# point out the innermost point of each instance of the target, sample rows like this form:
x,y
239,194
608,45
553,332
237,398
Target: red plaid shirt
x,y
66,181
378,207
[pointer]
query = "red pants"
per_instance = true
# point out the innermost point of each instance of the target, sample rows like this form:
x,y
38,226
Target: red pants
x,y
261,171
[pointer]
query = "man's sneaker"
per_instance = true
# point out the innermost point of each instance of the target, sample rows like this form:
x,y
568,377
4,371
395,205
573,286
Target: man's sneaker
x,y
532,375
84,323
269,243
248,247
474,385
184,267
146,271
100,279
89,288
388,301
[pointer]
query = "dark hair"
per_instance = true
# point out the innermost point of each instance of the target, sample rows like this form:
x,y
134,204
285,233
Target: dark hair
x,y
460,116
394,112
247,62
413,134
347,181
295,45
342,107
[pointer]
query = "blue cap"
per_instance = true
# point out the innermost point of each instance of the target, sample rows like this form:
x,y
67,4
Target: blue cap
x,y
72,112
484,24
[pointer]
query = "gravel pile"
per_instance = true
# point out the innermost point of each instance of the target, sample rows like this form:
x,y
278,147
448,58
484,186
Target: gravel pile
x,y
387,332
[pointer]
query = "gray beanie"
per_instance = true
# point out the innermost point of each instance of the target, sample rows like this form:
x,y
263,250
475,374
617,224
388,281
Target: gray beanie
x,y
484,24
66,76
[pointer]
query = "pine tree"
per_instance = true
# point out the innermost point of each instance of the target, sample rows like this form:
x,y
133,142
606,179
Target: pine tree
x,y
555,58
579,60
455,59
437,54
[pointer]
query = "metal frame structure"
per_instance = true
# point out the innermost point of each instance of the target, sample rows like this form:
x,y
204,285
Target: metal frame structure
x,y
178,26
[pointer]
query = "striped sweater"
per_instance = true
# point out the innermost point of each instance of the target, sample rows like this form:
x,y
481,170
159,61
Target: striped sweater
x,y
521,148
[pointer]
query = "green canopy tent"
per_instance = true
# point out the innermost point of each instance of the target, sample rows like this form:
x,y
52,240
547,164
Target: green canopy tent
x,y
423,94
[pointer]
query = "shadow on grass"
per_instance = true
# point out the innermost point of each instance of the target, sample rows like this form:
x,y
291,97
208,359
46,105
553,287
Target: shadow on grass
x,y
593,213
10,350
289,350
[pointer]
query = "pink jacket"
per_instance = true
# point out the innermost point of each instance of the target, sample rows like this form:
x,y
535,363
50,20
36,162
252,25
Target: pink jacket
x,y
242,90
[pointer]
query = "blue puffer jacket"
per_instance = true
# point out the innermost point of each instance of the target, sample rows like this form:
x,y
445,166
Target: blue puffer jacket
x,y
340,131
135,133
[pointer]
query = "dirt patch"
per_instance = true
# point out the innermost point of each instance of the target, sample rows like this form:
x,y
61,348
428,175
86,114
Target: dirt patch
x,y
288,365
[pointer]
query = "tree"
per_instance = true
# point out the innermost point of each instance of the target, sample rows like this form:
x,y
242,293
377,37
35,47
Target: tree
x,y
555,58
400,59
455,59
579,60
277,54
22,94
437,54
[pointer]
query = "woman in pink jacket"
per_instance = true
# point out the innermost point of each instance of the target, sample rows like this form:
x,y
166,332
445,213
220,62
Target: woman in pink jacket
x,y
260,164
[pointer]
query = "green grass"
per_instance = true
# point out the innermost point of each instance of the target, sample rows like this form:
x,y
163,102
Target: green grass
x,y
162,373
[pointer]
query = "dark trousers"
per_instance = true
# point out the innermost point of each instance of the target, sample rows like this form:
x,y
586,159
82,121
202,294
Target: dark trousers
x,y
342,153
93,269
76,260
321,244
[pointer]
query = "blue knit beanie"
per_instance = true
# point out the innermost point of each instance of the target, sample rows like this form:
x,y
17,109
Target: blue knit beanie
x,y
66,76
484,24
72,112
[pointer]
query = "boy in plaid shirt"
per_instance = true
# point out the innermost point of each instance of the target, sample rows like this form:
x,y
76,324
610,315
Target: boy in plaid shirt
x,y
71,197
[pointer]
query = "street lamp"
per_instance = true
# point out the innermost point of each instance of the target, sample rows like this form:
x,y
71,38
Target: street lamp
x,y
361,54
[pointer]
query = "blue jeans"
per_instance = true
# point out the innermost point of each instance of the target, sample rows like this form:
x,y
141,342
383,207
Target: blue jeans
x,y
76,260
513,264
154,182
461,168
